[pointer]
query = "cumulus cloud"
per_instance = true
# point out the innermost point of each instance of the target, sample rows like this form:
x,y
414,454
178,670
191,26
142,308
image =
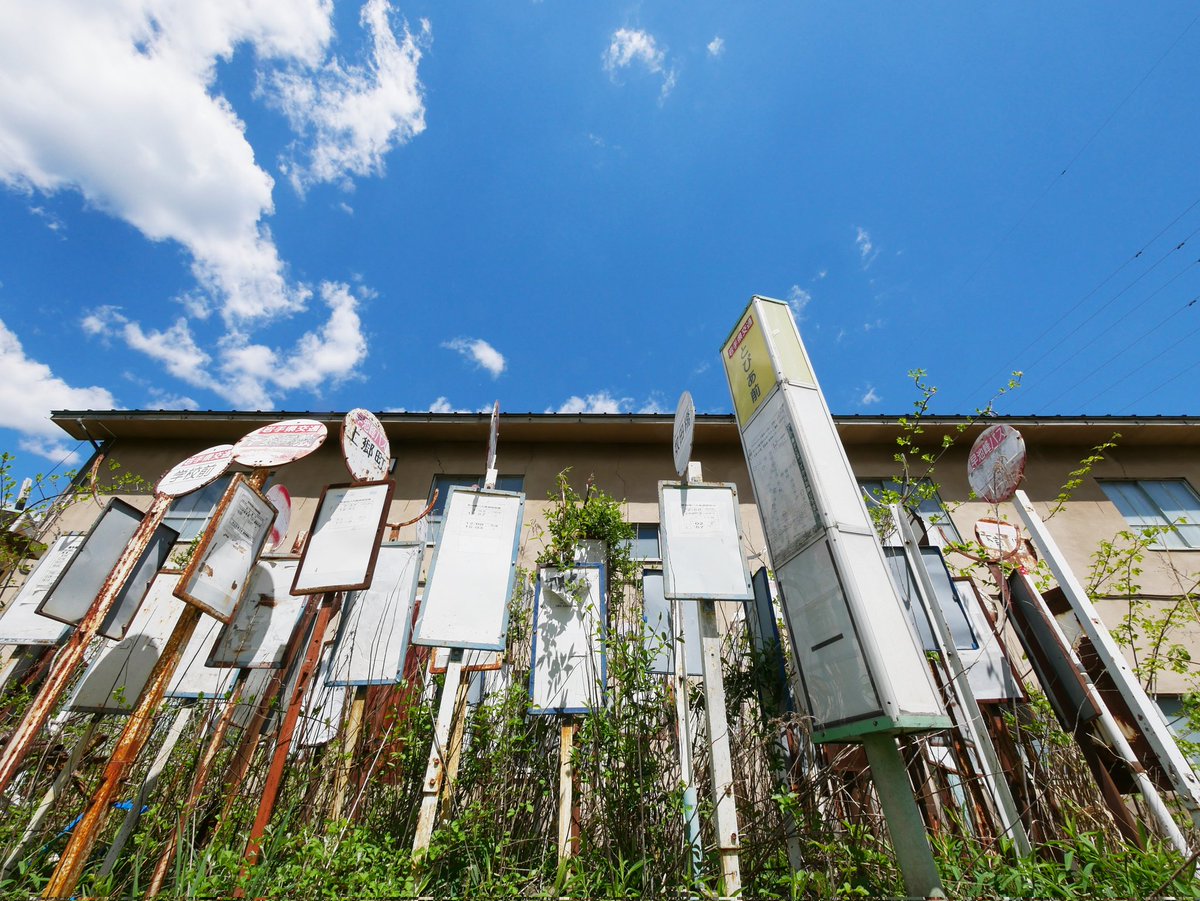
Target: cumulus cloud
x,y
629,47
441,405
119,103
350,116
716,46
247,373
798,300
870,397
480,353
601,402
29,391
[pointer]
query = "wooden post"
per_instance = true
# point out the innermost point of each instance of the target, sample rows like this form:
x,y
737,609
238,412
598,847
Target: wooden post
x,y
566,786
341,780
199,779
434,769
67,660
287,730
52,795
137,730
909,838
454,757
721,766
148,784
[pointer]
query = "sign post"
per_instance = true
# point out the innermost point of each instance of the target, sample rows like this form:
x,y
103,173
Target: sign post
x,y
231,543
703,563
862,674
191,474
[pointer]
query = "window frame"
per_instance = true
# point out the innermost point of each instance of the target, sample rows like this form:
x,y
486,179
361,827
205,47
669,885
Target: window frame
x,y
1137,503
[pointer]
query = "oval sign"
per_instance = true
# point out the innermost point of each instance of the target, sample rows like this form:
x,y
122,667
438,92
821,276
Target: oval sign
x,y
493,437
681,436
996,463
281,500
280,443
196,471
365,446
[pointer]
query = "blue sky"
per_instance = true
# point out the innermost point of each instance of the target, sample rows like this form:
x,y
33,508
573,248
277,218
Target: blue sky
x,y
565,206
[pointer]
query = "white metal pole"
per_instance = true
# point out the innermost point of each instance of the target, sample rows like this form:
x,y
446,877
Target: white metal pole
x,y
435,768
691,812
971,721
1150,720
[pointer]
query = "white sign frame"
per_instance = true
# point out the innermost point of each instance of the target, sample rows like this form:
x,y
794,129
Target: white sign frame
x,y
20,623
660,629
71,596
227,551
194,678
472,572
700,527
567,660
343,543
365,446
265,621
124,666
376,623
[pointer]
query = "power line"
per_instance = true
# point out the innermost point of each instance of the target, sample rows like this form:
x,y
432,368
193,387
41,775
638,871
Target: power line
x,y
1165,382
1104,281
1086,144
1123,350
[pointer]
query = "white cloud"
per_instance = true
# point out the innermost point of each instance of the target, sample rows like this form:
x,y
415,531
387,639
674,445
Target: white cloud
x,y
716,47
629,46
798,300
441,405
870,397
119,103
480,352
29,391
601,402
350,116
866,248
249,374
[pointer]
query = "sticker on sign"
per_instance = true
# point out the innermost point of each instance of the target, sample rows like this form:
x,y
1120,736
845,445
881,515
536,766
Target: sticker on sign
x,y
996,463
365,446
196,471
280,443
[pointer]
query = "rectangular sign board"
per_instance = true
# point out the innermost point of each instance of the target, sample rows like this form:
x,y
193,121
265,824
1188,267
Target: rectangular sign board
x,y
342,545
567,674
702,542
265,620
219,571
660,630
473,661
21,623
860,664
376,622
194,678
70,597
115,679
471,576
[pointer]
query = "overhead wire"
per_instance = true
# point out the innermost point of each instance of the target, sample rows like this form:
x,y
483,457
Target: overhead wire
x,y
1124,349
1166,381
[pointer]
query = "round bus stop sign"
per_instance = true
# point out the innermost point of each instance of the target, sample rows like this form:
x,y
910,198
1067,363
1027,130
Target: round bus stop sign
x,y
280,443
365,446
196,471
681,435
996,463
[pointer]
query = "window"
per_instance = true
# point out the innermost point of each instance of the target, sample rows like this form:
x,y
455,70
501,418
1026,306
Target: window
x,y
442,485
1168,504
188,514
931,510
644,545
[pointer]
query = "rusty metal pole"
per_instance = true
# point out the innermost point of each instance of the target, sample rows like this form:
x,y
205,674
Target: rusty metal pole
x,y
67,661
203,769
287,730
137,730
